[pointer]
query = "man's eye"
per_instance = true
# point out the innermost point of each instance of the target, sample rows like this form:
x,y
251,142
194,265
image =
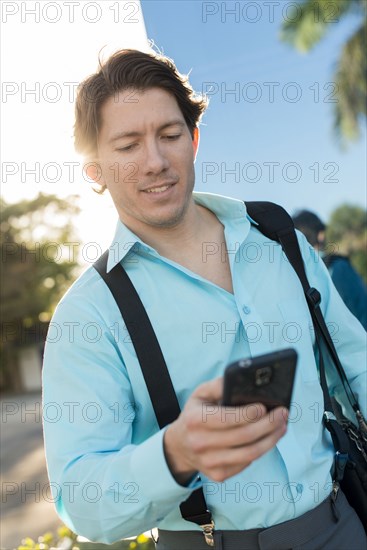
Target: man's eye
x,y
172,137
127,148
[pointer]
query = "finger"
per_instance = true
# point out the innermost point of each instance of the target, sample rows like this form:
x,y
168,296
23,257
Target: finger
x,y
226,463
238,417
210,391
242,415
253,432
215,417
236,435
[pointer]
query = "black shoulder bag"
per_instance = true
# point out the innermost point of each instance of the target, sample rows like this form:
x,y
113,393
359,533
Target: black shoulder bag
x,y
349,439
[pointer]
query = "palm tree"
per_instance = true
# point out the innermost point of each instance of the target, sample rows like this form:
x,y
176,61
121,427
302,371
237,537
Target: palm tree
x,y
306,26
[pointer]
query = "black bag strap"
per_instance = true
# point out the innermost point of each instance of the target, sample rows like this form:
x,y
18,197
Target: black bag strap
x,y
276,224
283,231
153,366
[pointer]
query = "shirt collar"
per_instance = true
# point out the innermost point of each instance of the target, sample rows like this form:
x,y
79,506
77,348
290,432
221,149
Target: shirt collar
x,y
125,241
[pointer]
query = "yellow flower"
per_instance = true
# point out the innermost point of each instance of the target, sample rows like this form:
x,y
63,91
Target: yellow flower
x,y
142,539
132,545
47,538
28,542
64,531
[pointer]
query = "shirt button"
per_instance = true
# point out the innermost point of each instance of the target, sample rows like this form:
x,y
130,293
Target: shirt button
x,y
246,310
299,488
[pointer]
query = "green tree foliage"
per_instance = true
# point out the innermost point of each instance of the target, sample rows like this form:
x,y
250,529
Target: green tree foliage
x,y
306,25
347,228
35,266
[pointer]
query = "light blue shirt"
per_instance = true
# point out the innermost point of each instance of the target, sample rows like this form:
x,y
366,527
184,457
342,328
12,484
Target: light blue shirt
x,y
104,449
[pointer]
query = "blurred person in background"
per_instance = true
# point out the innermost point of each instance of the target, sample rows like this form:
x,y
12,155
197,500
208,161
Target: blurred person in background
x,y
347,281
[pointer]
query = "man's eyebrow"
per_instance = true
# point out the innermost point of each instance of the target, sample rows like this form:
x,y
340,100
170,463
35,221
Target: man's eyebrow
x,y
121,135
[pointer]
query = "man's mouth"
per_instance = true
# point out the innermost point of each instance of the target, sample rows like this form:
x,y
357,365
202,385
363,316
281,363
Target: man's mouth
x,y
160,189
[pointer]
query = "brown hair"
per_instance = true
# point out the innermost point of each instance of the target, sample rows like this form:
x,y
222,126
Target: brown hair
x,y
130,69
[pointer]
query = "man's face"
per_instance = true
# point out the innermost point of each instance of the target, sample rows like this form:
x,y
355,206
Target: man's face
x,y
146,154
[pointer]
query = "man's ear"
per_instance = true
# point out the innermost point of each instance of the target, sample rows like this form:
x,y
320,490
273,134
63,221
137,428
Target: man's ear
x,y
93,171
195,141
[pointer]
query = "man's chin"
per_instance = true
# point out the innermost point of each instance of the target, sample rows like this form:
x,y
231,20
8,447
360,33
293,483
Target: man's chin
x,y
167,220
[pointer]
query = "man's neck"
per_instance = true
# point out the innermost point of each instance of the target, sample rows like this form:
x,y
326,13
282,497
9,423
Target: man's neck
x,y
185,244
172,242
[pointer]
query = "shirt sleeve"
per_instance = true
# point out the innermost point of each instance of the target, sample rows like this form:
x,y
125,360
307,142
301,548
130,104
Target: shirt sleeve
x,y
348,335
104,486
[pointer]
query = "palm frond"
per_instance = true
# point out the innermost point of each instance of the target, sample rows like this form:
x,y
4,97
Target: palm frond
x,y
308,22
351,82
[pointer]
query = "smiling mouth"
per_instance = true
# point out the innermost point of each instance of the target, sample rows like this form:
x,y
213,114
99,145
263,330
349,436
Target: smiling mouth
x,y
160,189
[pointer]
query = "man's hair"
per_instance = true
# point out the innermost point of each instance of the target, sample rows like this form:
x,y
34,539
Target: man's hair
x,y
309,224
130,69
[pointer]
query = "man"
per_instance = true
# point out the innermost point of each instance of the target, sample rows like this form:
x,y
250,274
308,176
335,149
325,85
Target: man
x,y
347,281
211,302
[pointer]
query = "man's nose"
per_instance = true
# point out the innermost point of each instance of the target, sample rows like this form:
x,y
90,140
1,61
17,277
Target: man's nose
x,y
155,160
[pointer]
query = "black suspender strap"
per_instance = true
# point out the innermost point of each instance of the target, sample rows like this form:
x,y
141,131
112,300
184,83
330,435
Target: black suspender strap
x,y
145,342
155,373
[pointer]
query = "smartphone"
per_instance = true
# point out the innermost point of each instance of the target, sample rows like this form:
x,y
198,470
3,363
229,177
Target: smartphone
x,y
266,379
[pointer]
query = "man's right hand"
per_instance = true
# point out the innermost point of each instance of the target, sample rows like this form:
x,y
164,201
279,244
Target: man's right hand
x,y
219,441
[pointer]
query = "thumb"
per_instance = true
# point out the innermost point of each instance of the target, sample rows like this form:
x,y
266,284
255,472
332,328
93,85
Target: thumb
x,y
210,391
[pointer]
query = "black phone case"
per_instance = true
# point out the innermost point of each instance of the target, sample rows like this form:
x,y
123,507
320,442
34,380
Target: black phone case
x,y
266,379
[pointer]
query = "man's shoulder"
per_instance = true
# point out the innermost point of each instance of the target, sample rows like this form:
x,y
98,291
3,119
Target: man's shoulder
x,y
87,291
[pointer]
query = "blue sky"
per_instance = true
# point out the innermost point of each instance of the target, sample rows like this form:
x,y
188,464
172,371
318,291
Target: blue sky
x,y
282,148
